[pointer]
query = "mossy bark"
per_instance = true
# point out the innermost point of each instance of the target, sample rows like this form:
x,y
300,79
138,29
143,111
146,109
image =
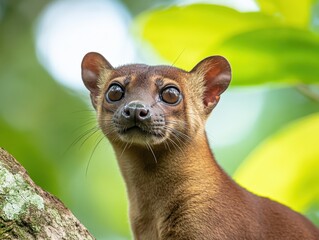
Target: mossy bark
x,y
28,212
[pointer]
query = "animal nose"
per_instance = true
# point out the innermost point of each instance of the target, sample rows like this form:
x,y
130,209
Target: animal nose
x,y
136,111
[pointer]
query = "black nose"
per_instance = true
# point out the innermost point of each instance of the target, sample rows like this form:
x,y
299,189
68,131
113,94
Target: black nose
x,y
136,111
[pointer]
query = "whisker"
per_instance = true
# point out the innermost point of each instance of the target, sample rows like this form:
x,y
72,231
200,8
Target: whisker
x,y
82,135
86,110
184,136
89,136
178,57
176,146
126,144
156,101
151,150
95,147
89,122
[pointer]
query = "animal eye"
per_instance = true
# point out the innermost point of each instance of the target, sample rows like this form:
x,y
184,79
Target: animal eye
x,y
114,93
171,95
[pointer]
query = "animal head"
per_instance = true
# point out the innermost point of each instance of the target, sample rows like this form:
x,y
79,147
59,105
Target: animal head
x,y
151,105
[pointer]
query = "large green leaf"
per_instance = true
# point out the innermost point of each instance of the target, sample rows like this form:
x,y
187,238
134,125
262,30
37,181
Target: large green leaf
x,y
291,12
284,55
191,31
260,48
286,167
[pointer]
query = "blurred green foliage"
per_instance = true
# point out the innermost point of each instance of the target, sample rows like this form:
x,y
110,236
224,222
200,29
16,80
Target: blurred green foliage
x,y
287,166
39,119
278,51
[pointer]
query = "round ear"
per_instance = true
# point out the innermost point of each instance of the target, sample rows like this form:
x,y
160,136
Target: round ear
x,y
92,65
216,73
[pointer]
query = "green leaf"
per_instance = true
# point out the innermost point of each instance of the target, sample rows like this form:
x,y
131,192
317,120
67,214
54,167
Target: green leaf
x,y
294,13
282,55
259,47
286,167
192,31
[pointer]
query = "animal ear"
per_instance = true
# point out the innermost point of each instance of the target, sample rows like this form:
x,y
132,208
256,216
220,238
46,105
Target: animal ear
x,y
92,65
216,74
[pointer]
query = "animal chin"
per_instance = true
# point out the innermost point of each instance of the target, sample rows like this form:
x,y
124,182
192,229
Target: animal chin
x,y
141,135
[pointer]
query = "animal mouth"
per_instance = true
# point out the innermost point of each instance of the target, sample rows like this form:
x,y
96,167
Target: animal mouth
x,y
145,131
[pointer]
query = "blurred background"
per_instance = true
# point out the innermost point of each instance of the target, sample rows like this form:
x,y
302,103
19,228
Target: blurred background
x,y
264,132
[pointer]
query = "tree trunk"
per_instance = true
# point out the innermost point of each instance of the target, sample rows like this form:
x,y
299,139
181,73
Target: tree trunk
x,y
28,212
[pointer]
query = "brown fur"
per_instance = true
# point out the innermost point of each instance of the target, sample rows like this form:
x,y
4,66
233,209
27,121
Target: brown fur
x,y
176,189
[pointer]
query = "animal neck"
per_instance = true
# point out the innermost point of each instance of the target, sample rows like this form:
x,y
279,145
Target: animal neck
x,y
163,172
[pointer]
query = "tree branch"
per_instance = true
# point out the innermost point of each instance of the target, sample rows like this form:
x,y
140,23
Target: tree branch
x,y
28,212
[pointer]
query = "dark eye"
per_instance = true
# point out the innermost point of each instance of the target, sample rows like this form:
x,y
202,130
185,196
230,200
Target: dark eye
x,y
171,95
115,93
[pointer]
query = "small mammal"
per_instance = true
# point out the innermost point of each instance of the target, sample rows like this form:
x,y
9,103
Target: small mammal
x,y
154,117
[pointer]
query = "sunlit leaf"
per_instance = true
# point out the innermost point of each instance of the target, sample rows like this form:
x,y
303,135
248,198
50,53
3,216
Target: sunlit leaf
x,y
259,48
190,31
295,13
282,55
286,167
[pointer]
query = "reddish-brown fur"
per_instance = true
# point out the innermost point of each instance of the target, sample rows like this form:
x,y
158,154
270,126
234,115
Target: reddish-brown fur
x,y
176,189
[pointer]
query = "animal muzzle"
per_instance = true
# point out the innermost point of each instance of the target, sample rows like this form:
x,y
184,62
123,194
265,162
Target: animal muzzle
x,y
135,113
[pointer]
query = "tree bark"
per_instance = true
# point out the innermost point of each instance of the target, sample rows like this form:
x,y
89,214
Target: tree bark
x,y
29,212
